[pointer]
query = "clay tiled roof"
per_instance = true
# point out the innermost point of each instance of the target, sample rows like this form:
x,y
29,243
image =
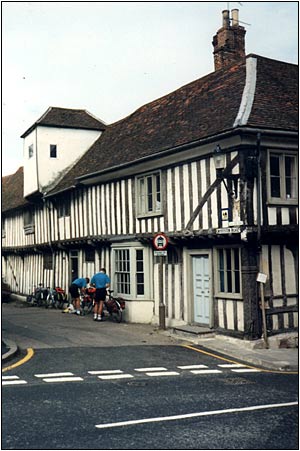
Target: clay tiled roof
x,y
201,109
12,191
67,118
276,96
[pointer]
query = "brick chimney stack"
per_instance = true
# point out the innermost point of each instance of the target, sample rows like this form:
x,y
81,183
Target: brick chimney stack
x,y
229,42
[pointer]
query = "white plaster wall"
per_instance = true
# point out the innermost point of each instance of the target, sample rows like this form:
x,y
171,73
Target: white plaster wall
x,y
30,172
71,145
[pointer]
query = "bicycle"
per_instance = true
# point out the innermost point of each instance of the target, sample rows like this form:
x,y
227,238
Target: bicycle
x,y
38,296
114,306
87,300
56,298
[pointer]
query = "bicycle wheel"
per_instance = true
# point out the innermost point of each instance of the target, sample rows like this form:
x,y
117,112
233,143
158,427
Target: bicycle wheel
x,y
49,301
116,312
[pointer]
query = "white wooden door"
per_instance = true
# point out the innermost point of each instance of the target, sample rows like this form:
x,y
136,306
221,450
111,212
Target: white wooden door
x,y
201,279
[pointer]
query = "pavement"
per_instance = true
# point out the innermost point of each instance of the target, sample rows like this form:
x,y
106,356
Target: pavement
x,y
281,355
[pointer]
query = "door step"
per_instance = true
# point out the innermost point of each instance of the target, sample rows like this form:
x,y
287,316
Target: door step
x,y
194,331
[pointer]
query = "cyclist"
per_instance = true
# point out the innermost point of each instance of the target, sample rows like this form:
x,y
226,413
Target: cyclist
x,y
102,282
76,286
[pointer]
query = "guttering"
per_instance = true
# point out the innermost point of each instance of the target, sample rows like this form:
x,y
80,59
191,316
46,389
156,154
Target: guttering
x,y
45,196
83,179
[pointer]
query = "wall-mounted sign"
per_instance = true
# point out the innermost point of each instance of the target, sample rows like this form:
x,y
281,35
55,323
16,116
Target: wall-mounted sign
x,y
225,214
160,253
224,230
160,241
261,277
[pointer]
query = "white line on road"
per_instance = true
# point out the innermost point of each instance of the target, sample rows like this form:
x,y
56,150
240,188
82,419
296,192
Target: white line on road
x,y
205,371
105,372
54,374
192,367
246,370
115,376
6,378
162,373
14,382
157,368
193,415
62,379
231,365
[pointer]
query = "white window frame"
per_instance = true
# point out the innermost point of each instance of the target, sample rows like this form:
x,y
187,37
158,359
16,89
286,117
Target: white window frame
x,y
143,195
227,294
147,271
282,199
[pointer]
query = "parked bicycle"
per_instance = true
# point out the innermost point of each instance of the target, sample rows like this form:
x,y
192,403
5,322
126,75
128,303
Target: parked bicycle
x,y
56,298
87,300
38,296
114,306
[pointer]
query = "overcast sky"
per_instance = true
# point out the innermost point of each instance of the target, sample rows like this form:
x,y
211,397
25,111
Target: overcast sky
x,y
111,58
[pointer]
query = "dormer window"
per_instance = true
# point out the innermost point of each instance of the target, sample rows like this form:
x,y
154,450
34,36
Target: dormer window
x,y
30,151
53,151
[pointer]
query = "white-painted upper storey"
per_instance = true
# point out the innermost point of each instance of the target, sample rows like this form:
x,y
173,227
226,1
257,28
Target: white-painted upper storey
x,y
43,171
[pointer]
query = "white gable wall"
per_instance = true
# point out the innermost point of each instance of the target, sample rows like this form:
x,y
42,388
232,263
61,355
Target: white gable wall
x,y
42,172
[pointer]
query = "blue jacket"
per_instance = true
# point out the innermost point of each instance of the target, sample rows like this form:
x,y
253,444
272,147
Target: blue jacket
x,y
100,280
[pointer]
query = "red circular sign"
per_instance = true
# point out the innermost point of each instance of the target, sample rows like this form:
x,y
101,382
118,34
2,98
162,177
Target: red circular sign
x,y
160,241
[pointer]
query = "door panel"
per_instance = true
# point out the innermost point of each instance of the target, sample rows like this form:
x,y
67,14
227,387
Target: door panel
x,y
201,282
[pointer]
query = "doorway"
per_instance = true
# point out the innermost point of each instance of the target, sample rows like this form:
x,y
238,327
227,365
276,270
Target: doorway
x,y
201,289
73,265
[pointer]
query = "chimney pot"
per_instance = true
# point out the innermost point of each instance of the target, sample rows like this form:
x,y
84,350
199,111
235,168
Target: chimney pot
x,y
226,20
235,17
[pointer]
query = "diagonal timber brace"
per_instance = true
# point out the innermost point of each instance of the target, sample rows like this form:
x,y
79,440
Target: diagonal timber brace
x,y
226,172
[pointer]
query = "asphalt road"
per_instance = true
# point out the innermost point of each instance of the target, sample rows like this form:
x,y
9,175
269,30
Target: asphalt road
x,y
169,396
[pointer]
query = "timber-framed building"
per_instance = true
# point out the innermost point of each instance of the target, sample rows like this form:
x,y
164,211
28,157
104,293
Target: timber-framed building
x,y
92,195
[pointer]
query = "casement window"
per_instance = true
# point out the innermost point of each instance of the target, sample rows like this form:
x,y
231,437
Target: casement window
x,y
283,178
129,267
30,151
229,277
64,208
28,222
149,195
89,255
53,151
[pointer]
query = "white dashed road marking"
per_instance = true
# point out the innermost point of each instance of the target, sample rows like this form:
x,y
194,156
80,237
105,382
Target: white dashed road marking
x,y
63,379
246,370
231,365
54,374
95,373
192,367
59,377
157,368
206,371
12,380
163,373
158,371
115,376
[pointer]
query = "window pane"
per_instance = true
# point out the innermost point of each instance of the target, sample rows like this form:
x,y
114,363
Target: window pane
x,y
122,271
158,204
221,271
274,165
275,187
290,177
150,194
53,151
